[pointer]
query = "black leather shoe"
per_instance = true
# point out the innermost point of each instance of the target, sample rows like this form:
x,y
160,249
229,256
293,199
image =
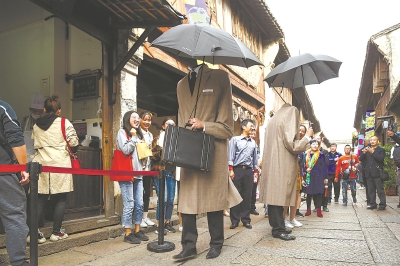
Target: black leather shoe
x,y
233,226
186,254
254,212
325,209
213,253
381,208
247,225
285,237
371,207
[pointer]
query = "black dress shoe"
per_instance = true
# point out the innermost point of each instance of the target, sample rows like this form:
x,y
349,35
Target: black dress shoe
x,y
254,212
213,253
285,237
371,207
233,226
247,225
381,208
186,254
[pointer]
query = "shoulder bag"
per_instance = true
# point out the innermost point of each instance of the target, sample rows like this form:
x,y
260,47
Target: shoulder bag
x,y
75,163
121,162
384,175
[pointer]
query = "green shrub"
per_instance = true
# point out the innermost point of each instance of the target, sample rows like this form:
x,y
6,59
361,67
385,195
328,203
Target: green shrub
x,y
389,166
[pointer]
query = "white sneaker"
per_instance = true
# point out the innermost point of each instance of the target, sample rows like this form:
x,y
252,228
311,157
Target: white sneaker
x,y
296,223
41,238
288,224
143,224
61,235
148,222
180,228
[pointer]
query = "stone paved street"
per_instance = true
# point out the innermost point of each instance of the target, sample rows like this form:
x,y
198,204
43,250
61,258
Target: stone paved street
x,y
349,235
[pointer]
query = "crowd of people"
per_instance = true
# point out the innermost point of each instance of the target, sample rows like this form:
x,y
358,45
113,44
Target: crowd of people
x,y
293,163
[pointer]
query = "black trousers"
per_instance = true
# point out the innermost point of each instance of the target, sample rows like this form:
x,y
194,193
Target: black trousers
x,y
147,185
215,227
366,190
375,185
275,217
325,200
244,181
253,197
59,208
317,200
336,189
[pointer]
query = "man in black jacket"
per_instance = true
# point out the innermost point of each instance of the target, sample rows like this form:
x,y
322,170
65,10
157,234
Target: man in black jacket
x,y
394,137
12,195
372,158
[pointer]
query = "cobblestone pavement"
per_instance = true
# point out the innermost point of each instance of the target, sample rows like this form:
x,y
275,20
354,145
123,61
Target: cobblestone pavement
x,y
349,235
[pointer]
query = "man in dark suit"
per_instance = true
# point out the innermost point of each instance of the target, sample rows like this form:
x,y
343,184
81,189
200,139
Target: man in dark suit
x,y
372,158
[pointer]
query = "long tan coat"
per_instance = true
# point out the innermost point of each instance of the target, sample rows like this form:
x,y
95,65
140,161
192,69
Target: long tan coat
x,y
279,164
208,191
51,150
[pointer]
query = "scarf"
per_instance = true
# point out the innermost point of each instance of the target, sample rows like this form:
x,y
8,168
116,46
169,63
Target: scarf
x,y
310,162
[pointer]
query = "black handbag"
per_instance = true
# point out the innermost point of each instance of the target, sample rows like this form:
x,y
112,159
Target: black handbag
x,y
384,175
188,148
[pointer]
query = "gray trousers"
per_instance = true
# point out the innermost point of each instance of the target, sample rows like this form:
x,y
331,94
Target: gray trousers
x,y
13,216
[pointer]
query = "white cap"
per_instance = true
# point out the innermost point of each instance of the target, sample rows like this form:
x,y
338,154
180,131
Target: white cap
x,y
37,101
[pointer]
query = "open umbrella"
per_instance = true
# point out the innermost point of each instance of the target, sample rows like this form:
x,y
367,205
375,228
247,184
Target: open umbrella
x,y
206,43
302,70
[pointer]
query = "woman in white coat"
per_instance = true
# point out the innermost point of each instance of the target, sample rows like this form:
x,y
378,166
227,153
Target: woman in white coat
x,y
51,150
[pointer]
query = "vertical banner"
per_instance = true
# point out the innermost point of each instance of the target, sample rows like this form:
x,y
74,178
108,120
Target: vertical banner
x,y
196,11
369,123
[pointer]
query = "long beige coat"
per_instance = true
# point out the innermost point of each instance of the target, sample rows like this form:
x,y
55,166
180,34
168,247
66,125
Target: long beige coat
x,y
279,163
51,150
208,191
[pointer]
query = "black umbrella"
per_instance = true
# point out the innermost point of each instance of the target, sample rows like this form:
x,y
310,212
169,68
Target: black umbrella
x,y
206,43
302,70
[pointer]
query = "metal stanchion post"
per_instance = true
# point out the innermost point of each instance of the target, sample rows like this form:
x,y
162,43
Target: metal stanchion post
x,y
161,246
34,170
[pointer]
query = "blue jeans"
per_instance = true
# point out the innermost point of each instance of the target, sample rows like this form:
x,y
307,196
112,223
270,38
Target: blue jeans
x,y
132,199
345,183
170,185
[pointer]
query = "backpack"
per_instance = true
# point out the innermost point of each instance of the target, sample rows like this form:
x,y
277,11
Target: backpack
x,y
396,155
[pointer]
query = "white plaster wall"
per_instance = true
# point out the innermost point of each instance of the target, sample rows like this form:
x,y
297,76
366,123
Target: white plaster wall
x,y
389,46
27,53
83,52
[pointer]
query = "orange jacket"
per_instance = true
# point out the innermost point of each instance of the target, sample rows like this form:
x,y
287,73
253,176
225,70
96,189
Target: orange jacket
x,y
343,163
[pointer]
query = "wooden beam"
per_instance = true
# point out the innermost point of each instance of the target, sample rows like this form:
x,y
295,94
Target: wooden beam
x,y
107,132
100,34
148,23
133,49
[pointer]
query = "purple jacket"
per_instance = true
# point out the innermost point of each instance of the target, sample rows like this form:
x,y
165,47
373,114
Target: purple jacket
x,y
318,174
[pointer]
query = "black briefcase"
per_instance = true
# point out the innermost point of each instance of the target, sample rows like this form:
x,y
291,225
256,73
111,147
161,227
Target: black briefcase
x,y
188,148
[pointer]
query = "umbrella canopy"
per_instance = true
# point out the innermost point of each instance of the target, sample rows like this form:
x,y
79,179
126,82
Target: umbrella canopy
x,y
302,70
206,43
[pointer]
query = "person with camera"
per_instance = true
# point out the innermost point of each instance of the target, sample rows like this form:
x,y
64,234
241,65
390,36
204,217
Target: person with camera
x,y
392,134
372,157
346,167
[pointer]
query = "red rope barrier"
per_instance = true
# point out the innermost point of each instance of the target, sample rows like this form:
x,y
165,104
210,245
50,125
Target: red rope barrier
x,y
10,168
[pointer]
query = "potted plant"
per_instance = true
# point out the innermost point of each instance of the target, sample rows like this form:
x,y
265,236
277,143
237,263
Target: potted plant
x,y
388,165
